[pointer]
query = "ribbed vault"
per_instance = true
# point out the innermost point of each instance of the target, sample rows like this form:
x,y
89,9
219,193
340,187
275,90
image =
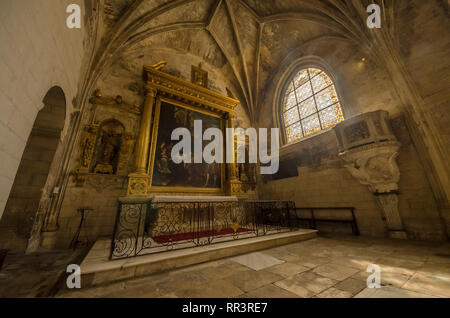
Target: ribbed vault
x,y
247,40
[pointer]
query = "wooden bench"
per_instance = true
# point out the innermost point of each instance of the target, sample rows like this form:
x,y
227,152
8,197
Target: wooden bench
x,y
312,218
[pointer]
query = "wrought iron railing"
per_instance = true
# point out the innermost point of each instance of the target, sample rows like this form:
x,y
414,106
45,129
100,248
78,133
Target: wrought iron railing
x,y
153,227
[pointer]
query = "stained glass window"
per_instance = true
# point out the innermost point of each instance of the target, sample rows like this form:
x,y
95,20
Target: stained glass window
x,y
310,104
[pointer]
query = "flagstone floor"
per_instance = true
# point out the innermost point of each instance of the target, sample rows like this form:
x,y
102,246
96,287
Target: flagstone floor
x,y
36,275
322,267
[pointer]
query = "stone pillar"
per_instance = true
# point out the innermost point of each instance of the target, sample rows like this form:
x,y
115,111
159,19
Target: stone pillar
x,y
138,181
389,204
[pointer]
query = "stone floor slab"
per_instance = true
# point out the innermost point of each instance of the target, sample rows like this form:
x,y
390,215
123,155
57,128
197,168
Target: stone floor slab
x,y
351,285
313,283
251,280
287,269
257,261
335,271
270,291
435,285
390,292
334,293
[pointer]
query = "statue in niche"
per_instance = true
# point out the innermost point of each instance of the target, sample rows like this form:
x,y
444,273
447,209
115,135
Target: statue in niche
x,y
107,156
108,148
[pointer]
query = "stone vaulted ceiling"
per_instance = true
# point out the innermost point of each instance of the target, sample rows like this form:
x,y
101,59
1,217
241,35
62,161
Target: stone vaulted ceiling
x,y
248,40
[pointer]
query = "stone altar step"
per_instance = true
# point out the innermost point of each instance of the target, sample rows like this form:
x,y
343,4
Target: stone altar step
x,y
97,269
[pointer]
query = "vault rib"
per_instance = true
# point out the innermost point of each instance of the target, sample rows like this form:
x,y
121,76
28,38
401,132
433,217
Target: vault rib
x,y
222,48
241,53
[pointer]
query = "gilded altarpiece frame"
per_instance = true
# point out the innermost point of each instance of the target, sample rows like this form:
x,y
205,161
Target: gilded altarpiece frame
x,y
203,171
163,89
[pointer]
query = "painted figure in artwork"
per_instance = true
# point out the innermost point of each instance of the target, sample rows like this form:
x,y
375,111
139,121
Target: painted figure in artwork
x,y
163,162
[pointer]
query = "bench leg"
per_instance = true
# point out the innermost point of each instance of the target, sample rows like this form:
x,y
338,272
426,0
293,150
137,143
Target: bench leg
x,y
355,228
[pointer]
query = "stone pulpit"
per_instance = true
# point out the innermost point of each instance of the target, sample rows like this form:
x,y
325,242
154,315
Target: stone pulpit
x,y
369,150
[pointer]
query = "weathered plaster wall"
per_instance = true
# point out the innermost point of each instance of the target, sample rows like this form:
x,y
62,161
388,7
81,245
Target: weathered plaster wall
x,y
36,172
38,52
424,36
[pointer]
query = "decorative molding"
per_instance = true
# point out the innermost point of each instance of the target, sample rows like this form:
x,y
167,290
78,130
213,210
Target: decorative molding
x,y
174,87
117,101
138,184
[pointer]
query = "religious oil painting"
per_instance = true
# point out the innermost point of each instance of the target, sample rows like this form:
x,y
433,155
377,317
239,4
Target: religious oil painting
x,y
165,172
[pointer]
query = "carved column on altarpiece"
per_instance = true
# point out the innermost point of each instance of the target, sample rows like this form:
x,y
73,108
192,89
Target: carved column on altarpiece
x,y
232,171
234,185
369,150
139,179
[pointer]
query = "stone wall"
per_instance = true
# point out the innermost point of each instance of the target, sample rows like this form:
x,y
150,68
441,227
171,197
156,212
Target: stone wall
x,y
365,86
38,52
34,173
424,36
100,193
323,181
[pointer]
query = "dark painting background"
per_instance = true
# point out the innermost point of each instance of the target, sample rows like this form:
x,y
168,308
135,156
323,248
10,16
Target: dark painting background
x,y
168,174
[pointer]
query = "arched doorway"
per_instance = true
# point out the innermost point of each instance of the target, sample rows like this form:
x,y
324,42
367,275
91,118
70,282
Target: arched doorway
x,y
31,185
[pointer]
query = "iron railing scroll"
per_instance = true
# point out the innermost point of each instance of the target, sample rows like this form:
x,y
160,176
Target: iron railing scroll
x,y
146,227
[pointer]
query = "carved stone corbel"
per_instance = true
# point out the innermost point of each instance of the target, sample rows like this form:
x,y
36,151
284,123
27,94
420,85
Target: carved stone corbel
x,y
369,150
375,166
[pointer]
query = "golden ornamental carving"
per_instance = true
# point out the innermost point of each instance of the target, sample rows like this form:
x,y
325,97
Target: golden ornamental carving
x,y
88,139
137,184
158,66
126,151
117,101
100,147
174,87
151,91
